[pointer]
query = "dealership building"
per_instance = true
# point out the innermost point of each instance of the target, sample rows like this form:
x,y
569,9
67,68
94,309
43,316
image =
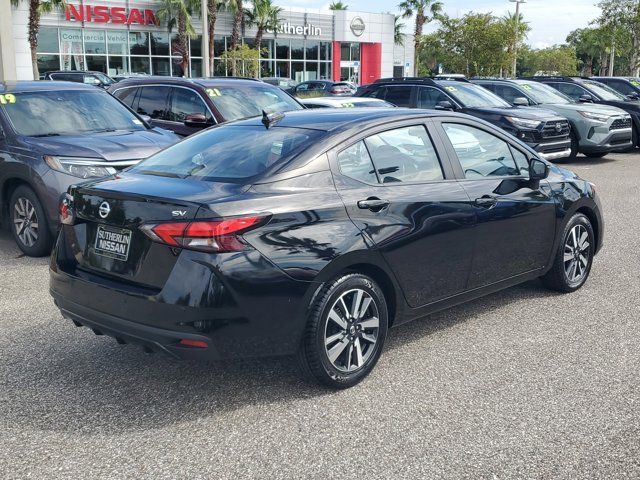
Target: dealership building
x,y
126,36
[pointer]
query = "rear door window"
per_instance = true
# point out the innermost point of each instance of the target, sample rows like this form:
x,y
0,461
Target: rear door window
x,y
400,96
404,155
126,95
153,101
185,101
571,90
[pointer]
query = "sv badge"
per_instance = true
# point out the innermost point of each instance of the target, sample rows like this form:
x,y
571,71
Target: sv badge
x,y
179,213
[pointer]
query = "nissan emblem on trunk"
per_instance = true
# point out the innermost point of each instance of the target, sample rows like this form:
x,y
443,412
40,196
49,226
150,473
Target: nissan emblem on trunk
x,y
104,210
357,26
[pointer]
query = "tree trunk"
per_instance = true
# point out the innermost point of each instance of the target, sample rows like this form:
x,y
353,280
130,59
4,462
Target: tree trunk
x,y
258,40
416,41
238,17
634,60
183,40
213,14
34,25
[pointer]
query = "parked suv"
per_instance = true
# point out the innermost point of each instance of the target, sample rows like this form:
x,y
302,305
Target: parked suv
x,y
589,91
629,86
187,105
55,134
542,130
323,88
98,79
595,129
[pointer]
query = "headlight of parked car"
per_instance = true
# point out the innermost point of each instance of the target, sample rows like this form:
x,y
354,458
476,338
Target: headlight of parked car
x,y
80,167
524,123
598,117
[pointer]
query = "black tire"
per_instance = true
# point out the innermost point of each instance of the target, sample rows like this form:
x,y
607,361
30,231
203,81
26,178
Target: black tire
x,y
575,147
37,246
558,278
596,154
313,355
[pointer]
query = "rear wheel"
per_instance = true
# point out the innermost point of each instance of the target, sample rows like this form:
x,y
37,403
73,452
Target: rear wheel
x,y
575,145
345,333
572,263
29,223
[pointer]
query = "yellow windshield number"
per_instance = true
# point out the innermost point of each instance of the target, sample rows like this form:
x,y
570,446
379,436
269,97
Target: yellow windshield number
x,y
6,98
213,92
347,105
451,89
526,87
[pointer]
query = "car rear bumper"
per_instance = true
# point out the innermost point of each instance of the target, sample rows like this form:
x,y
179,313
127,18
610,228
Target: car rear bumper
x,y
238,315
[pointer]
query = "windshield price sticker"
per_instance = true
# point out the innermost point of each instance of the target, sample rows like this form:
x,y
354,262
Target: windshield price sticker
x,y
526,87
6,98
213,92
347,105
451,89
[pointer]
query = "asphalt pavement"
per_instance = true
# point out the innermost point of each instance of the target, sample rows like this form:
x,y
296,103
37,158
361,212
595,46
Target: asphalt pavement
x,y
521,384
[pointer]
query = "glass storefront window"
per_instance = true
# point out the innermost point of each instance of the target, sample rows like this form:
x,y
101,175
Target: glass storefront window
x,y
267,68
118,65
297,71
94,41
325,51
159,43
282,70
355,52
160,66
196,46
218,46
140,65
268,49
196,66
47,63
97,63
326,70
345,52
117,42
249,42
176,67
219,68
48,40
282,49
297,49
311,71
312,50
139,43
71,49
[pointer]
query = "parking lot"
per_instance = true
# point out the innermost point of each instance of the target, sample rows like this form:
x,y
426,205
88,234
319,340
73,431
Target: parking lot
x,y
521,384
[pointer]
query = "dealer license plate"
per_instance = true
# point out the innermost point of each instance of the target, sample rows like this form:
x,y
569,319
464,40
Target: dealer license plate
x,y
113,242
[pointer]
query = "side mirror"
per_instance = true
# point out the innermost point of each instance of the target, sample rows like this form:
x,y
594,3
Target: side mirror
x,y
145,118
586,98
445,105
521,102
538,170
196,120
633,96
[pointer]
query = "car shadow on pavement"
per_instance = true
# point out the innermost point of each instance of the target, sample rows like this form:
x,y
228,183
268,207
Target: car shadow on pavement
x,y
70,380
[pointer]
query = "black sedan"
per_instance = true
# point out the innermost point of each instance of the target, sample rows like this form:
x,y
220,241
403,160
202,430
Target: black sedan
x,y
313,232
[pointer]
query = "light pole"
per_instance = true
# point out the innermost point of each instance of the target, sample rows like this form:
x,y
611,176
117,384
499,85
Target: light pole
x,y
515,38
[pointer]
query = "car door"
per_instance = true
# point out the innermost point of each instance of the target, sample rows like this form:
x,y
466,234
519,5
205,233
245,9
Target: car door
x,y
516,218
153,101
401,95
571,90
402,195
185,101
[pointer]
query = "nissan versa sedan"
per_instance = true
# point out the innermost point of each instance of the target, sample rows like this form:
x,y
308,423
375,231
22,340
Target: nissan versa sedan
x,y
314,232
53,134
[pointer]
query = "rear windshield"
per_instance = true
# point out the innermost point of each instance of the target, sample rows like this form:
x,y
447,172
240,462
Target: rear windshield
x,y
67,112
229,153
236,102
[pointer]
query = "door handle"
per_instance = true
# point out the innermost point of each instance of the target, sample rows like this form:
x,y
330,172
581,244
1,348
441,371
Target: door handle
x,y
486,201
373,204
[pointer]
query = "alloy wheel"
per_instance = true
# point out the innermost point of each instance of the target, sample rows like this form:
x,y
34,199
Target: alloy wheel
x,y
25,220
576,254
351,331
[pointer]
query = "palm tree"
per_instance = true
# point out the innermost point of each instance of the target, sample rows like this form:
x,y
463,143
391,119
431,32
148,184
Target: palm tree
x,y
425,12
338,6
36,9
398,26
214,7
264,16
515,29
179,12
235,6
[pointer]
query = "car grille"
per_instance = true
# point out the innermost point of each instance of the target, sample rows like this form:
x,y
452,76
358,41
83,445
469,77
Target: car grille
x,y
551,129
620,123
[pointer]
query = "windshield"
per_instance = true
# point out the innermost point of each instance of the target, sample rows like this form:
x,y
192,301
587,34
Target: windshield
x,y
603,91
544,94
104,79
68,112
229,153
236,102
474,96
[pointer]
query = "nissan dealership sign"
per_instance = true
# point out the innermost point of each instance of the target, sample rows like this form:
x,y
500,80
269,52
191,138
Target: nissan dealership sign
x,y
105,14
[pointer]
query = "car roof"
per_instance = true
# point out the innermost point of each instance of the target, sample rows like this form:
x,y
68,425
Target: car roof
x,y
341,118
202,82
73,71
339,100
43,86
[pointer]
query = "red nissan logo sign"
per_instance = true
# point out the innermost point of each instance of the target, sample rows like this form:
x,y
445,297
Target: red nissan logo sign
x,y
104,14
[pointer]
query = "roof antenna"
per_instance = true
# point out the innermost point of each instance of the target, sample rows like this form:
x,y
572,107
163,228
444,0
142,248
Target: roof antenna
x,y
269,119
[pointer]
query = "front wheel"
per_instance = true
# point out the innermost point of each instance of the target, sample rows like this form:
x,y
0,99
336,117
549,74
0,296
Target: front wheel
x,y
572,263
29,223
345,333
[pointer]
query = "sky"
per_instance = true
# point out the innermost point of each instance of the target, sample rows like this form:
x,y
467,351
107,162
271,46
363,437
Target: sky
x,y
550,20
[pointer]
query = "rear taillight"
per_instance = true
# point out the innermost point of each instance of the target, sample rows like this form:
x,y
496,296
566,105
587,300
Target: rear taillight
x,y
208,235
65,210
